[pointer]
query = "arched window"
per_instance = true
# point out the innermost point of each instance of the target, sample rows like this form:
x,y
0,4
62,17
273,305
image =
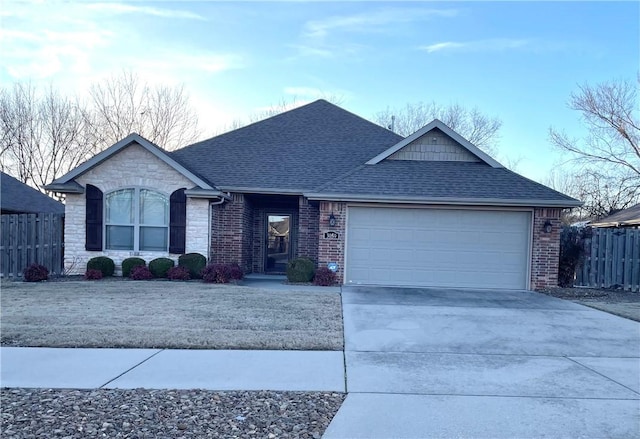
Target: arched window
x,y
136,219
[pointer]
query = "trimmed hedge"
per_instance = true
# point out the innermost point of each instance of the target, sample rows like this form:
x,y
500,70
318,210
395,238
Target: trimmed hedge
x,y
194,262
300,270
129,263
160,266
102,263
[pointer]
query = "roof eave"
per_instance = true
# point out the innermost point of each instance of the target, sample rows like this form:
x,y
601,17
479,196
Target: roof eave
x,y
115,148
443,200
69,187
206,193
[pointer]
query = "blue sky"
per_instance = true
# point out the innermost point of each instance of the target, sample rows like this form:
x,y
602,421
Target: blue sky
x,y
518,61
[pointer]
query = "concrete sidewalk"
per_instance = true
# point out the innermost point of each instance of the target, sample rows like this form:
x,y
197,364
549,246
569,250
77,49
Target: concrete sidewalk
x,y
172,369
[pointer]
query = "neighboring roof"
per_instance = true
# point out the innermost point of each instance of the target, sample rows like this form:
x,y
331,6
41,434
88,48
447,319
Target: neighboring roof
x,y
66,183
445,129
440,182
626,217
288,153
17,197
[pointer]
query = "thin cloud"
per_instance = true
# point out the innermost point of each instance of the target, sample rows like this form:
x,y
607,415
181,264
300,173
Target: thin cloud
x,y
122,8
371,21
489,45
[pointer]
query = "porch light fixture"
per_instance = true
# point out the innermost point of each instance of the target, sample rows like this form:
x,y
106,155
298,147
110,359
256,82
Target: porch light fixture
x,y
332,220
547,227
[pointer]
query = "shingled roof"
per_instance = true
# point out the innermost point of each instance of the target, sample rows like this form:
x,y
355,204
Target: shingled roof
x,y
440,182
17,197
293,152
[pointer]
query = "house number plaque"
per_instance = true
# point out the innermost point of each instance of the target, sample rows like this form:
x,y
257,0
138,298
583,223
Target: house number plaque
x,y
331,235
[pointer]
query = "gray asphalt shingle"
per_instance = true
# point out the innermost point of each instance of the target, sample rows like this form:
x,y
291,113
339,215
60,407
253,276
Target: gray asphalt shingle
x,y
16,196
296,150
431,179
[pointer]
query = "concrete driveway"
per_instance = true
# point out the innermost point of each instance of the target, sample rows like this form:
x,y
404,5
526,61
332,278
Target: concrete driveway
x,y
435,363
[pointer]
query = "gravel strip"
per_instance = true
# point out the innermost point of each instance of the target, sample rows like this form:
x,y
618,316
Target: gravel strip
x,y
140,413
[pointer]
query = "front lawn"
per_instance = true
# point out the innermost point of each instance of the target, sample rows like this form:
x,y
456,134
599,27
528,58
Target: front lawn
x,y
164,314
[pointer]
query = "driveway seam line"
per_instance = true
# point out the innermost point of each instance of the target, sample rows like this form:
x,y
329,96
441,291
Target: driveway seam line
x,y
131,368
601,374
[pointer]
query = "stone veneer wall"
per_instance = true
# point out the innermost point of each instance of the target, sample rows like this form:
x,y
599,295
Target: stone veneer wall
x,y
330,249
133,166
545,252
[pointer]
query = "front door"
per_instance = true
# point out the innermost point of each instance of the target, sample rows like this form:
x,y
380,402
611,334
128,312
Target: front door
x,y
278,243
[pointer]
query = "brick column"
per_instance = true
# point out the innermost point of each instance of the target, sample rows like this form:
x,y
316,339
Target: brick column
x,y
545,249
231,232
332,249
308,229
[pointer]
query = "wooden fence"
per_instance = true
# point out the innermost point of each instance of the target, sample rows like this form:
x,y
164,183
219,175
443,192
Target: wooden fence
x,y
31,238
611,260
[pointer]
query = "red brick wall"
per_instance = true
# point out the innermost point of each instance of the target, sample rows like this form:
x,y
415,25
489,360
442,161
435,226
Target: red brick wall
x,y
232,232
545,249
308,229
330,249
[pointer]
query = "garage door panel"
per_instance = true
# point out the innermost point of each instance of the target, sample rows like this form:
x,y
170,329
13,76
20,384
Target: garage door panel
x,y
438,247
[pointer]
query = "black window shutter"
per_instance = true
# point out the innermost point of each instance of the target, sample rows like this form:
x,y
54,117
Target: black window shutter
x,y
177,222
93,218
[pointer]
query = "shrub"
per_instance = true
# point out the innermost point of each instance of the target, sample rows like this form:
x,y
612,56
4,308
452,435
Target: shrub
x,y
35,273
160,266
571,251
178,273
236,272
140,272
324,277
217,273
194,262
102,263
129,263
300,270
93,274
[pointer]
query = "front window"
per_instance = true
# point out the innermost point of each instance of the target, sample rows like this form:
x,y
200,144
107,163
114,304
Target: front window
x,y
137,219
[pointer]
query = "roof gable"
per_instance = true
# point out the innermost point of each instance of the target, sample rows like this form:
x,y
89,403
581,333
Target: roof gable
x,y
66,183
435,142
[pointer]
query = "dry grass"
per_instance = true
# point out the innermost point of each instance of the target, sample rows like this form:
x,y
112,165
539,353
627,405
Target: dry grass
x,y
167,314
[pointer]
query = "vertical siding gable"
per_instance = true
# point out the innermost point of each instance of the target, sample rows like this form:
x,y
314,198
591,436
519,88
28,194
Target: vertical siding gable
x,y
434,146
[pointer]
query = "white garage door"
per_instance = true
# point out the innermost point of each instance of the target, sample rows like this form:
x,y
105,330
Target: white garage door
x,y
438,247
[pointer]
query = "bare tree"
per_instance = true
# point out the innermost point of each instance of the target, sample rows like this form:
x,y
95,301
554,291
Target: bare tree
x,y
124,104
603,194
43,135
472,124
608,157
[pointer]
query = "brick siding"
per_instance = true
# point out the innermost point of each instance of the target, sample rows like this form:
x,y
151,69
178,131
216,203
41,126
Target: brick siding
x,y
546,248
232,232
330,249
308,229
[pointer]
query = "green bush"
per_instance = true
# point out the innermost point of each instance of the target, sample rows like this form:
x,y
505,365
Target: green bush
x,y
160,266
102,263
300,270
194,262
129,263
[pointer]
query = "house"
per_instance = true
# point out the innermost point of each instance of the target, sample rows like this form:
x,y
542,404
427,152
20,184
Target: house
x,y
625,218
318,181
17,197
